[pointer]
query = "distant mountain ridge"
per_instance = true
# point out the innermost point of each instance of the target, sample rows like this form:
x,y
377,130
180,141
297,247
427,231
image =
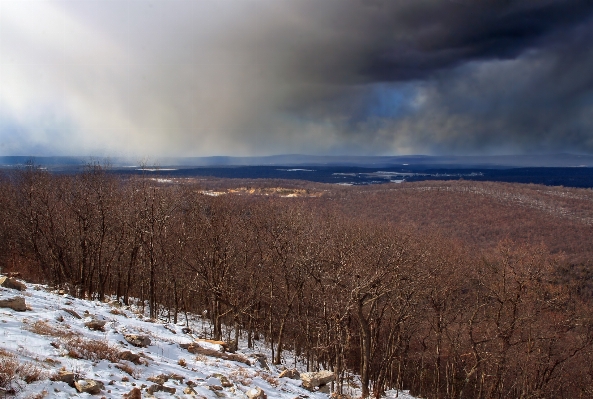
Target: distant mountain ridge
x,y
489,161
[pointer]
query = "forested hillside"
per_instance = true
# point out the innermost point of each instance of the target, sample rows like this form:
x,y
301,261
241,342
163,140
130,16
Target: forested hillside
x,y
448,289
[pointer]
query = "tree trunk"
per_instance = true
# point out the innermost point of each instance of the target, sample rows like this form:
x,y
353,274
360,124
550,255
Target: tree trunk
x,y
365,338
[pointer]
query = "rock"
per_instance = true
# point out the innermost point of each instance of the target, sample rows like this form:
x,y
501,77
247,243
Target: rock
x,y
130,357
160,388
137,340
225,382
256,393
220,379
177,377
89,386
96,325
17,304
215,387
290,373
159,379
170,328
65,376
9,282
135,393
72,313
212,344
316,379
260,360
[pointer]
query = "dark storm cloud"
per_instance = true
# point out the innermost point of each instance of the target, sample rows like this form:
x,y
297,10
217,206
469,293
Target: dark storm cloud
x,y
498,76
402,39
185,77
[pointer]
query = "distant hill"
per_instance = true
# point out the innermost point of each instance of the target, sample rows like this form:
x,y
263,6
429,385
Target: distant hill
x,y
495,161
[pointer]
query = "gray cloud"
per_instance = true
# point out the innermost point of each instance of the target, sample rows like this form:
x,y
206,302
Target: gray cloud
x,y
184,77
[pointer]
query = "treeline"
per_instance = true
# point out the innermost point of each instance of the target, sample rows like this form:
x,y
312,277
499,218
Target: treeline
x,y
402,309
481,214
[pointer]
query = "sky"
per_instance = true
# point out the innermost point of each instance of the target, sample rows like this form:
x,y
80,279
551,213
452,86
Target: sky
x,y
264,77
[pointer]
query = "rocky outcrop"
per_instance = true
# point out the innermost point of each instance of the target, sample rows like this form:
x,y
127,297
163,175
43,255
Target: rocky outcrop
x,y
213,344
137,340
135,393
130,357
224,381
11,283
290,373
199,350
17,304
160,388
317,379
256,393
72,313
159,379
89,386
96,325
65,376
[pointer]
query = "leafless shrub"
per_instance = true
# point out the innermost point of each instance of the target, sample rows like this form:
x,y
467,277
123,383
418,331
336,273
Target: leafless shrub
x,y
126,368
12,370
241,376
80,348
117,312
30,372
8,371
41,327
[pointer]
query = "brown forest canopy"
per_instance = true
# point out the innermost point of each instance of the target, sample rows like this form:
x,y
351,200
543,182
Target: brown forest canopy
x,y
452,290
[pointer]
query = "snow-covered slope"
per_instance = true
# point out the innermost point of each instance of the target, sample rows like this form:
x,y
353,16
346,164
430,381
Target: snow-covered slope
x,y
48,339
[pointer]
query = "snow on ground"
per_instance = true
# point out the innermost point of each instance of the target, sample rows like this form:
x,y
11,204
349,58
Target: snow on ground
x,y
49,338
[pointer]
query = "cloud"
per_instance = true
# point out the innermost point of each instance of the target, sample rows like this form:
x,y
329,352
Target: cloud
x,y
255,77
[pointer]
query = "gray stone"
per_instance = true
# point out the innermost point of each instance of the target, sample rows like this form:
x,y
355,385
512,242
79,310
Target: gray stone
x,y
159,379
89,386
256,393
72,313
65,376
133,394
224,381
317,379
160,388
9,282
290,373
17,303
137,340
176,377
96,325
130,357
